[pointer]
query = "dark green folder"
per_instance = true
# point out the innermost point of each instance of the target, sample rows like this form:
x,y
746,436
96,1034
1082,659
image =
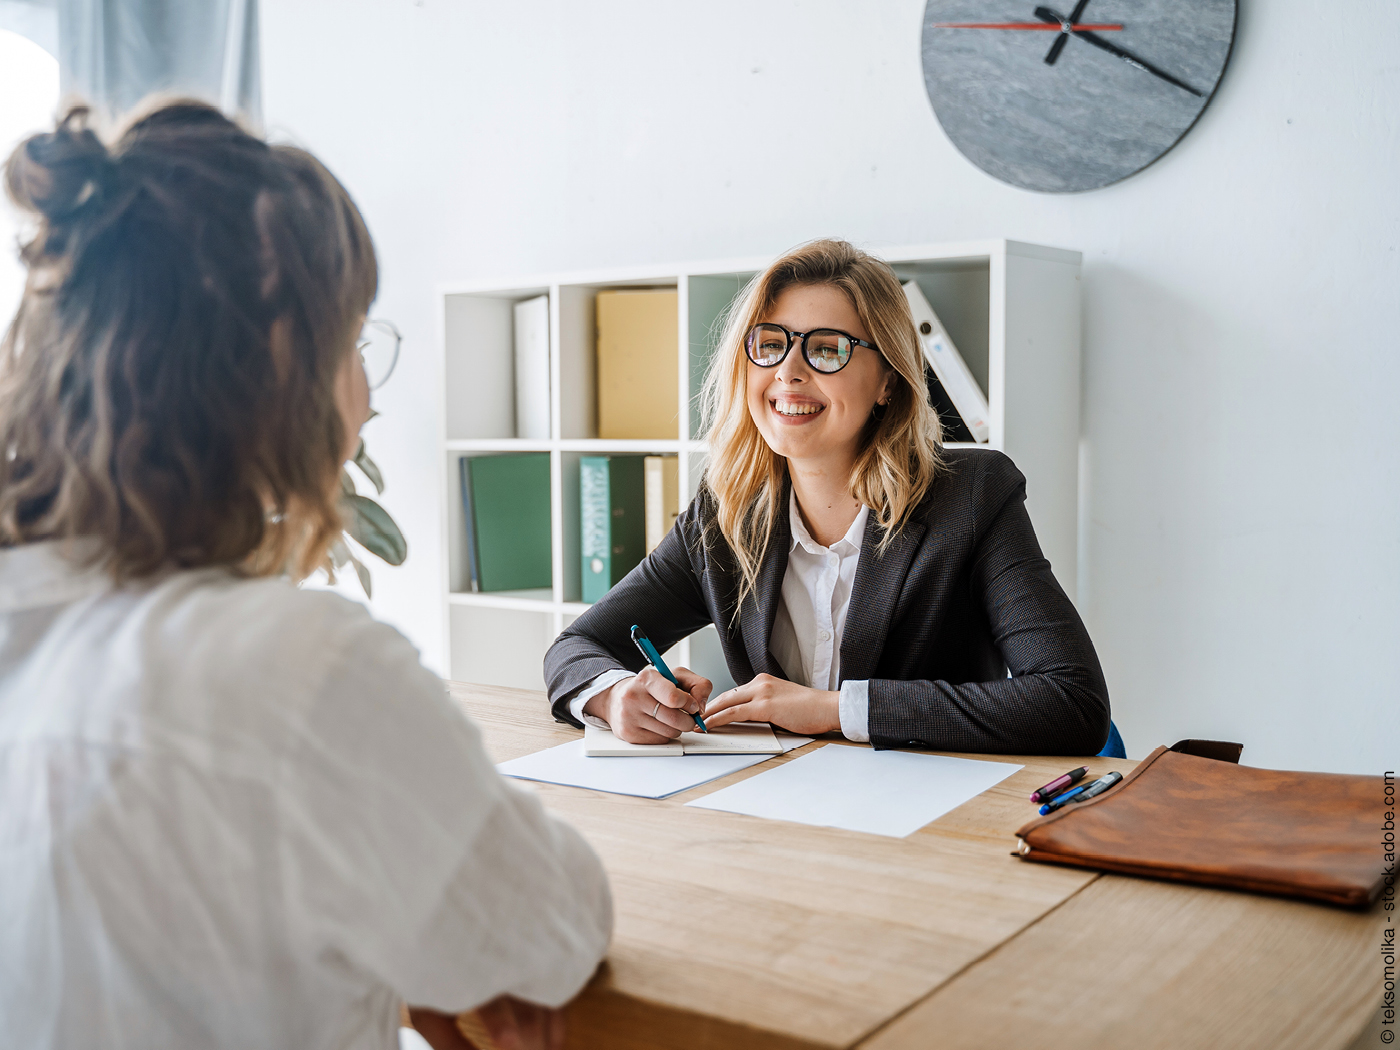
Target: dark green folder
x,y
510,511
612,518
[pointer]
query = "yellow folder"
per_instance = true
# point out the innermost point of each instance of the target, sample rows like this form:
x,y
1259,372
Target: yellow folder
x,y
638,361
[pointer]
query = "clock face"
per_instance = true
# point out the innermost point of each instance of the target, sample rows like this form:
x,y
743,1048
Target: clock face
x,y
1072,97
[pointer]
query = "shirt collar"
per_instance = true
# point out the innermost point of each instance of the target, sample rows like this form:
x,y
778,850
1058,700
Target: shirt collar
x,y
852,541
48,573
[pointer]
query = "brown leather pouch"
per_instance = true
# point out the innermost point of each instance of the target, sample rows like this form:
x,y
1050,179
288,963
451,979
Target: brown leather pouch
x,y
1189,818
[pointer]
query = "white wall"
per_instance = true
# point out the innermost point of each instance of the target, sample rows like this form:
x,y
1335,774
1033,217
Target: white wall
x,y
28,97
1241,545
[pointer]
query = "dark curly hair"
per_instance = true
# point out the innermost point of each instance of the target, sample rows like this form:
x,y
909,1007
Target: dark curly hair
x,y
167,385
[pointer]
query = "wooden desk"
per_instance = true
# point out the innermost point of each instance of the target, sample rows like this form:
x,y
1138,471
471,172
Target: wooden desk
x,y
735,932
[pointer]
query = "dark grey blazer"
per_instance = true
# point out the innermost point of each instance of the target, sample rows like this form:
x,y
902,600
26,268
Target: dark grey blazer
x,y
962,594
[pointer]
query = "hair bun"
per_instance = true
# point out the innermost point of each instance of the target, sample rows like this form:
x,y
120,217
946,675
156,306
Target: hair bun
x,y
59,173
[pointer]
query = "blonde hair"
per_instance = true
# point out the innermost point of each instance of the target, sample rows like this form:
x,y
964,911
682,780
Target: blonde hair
x,y
901,450
167,385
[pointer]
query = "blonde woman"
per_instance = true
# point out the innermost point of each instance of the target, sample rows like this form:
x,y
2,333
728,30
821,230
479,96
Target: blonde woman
x,y
863,579
235,813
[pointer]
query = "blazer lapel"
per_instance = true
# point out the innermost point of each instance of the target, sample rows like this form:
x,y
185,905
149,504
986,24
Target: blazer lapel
x,y
761,607
874,595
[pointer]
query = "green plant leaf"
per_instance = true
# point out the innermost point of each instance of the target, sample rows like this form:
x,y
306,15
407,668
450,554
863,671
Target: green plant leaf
x,y
347,483
341,557
372,528
362,573
340,554
371,470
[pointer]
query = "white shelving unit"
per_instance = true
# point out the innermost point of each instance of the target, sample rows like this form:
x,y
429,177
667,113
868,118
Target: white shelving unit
x,y
1013,310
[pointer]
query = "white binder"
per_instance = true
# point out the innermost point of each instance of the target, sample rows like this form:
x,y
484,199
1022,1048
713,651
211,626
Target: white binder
x,y
532,368
948,365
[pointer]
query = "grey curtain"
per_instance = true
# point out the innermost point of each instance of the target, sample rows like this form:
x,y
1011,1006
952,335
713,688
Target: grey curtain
x,y
115,52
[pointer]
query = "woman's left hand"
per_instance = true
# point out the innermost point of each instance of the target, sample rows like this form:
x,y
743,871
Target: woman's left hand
x,y
787,705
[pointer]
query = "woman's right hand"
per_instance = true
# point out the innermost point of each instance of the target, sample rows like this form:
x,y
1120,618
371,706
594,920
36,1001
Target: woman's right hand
x,y
647,709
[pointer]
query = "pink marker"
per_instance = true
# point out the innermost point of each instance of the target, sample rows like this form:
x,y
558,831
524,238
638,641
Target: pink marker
x,y
1043,794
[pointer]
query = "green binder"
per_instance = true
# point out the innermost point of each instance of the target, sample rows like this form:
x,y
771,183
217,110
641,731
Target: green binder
x,y
613,519
510,526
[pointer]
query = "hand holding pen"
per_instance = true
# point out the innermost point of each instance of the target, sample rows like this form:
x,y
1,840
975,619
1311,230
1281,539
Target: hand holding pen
x,y
644,646
652,708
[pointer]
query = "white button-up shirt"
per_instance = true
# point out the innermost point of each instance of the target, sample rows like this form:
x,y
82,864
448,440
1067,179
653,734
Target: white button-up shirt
x,y
811,620
809,626
235,814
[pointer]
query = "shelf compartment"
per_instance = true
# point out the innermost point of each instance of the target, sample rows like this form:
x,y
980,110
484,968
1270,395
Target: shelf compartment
x,y
960,293
459,578
572,518
492,645
578,352
479,362
710,297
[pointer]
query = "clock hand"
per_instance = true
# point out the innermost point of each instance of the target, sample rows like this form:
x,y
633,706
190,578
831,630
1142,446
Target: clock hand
x,y
1056,28
1047,15
1063,38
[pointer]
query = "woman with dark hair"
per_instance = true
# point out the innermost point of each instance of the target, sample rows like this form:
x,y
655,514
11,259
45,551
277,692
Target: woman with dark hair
x,y
235,813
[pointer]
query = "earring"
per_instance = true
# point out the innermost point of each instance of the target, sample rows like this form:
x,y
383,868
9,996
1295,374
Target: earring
x,y
878,410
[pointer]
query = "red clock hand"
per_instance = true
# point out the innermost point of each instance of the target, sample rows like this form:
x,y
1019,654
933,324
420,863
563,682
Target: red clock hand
x,y
1042,26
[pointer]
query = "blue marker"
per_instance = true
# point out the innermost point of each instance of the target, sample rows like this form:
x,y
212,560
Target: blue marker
x,y
1059,800
640,639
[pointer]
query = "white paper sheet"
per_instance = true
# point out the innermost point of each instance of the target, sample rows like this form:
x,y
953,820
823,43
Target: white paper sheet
x,y
645,777
891,793
737,738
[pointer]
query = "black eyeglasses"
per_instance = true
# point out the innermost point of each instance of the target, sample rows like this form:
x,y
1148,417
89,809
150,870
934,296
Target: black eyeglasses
x,y
825,349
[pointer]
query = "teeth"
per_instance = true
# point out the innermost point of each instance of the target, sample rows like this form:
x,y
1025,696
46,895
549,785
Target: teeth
x,y
796,408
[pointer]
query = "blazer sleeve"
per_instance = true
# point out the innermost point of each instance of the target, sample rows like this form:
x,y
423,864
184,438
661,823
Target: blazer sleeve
x,y
663,594
1056,700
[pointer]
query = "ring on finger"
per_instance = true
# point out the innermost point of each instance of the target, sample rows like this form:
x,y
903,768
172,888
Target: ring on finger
x,y
656,709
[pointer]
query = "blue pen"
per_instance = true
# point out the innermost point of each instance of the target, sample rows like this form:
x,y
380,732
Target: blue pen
x,y
640,639
1059,800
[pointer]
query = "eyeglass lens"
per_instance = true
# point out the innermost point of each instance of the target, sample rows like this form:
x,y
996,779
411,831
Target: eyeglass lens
x,y
826,349
766,344
379,349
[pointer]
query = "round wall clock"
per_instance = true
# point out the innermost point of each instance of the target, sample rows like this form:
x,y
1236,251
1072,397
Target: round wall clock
x,y
1063,99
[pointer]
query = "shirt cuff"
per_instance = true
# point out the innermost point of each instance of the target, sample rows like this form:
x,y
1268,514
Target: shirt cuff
x,y
604,681
855,711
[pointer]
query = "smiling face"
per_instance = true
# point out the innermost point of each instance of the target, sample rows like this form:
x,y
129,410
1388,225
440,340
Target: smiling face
x,y
810,418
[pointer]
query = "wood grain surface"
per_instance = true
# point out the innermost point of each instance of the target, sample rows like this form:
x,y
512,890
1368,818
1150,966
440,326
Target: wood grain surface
x,y
740,929
737,932
1131,962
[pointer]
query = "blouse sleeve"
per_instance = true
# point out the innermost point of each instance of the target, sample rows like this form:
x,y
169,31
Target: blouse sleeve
x,y
411,858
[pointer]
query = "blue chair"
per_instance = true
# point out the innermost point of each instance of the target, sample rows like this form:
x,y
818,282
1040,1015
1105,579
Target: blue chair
x,y
1114,748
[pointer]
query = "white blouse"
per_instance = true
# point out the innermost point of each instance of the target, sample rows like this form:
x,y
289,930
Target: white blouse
x,y
238,814
808,628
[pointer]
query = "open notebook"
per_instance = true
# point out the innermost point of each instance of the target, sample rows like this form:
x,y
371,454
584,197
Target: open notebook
x,y
742,739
